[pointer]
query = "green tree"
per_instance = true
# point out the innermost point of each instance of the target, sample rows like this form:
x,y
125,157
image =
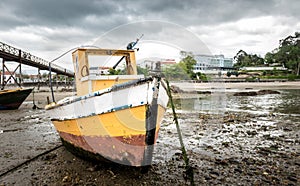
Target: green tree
x,y
141,70
228,74
201,76
175,72
269,58
287,54
114,71
243,59
45,75
187,64
25,76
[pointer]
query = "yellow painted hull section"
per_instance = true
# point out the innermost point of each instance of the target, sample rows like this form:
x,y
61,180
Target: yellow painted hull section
x,y
126,122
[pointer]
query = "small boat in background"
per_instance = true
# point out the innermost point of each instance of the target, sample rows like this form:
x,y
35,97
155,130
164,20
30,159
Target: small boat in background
x,y
113,117
12,99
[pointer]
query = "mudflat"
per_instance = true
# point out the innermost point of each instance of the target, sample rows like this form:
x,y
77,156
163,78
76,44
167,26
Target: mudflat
x,y
251,141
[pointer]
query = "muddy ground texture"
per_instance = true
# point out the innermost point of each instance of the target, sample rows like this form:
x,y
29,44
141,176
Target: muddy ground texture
x,y
235,148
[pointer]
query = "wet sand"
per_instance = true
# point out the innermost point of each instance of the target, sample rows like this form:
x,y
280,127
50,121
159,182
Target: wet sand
x,y
235,148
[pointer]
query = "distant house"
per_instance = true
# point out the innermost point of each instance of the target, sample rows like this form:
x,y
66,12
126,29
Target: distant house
x,y
32,78
6,78
151,64
99,70
166,62
212,64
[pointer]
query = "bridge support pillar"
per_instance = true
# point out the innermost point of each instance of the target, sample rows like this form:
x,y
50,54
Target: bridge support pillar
x,y
20,68
20,74
39,79
3,75
12,75
56,81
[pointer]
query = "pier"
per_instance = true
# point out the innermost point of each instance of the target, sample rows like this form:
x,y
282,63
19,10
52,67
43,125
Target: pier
x,y
12,54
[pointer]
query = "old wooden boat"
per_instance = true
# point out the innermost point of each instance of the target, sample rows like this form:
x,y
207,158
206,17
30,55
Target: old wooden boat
x,y
12,99
112,117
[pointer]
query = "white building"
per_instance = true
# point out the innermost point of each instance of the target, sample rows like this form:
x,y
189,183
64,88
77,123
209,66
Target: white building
x,y
7,78
151,64
99,70
263,68
212,64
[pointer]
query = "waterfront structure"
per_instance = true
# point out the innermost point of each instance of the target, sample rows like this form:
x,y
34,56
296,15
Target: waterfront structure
x,y
212,64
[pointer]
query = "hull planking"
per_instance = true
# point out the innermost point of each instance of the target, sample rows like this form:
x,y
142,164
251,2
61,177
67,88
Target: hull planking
x,y
12,99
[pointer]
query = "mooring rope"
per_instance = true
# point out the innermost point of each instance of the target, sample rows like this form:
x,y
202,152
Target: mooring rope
x,y
28,161
188,168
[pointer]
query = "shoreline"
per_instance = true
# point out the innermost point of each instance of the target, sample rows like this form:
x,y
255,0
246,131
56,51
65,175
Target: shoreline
x,y
239,85
189,90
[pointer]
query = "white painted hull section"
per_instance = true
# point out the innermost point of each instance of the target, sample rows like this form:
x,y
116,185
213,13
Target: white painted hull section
x,y
136,95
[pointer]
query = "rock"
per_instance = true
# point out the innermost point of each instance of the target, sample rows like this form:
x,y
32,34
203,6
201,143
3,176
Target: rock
x,y
225,144
214,176
233,160
297,163
49,157
238,170
286,129
221,162
265,173
176,89
177,153
249,161
251,133
292,178
207,177
112,173
214,173
245,94
203,92
91,169
66,179
263,92
260,92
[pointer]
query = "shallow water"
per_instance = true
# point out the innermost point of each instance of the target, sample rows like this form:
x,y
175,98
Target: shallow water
x,y
287,102
225,125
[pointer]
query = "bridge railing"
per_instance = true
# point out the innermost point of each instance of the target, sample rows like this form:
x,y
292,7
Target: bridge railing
x,y
9,49
26,55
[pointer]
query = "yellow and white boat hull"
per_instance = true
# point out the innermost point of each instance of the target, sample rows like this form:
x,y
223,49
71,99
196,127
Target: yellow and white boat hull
x,y
119,123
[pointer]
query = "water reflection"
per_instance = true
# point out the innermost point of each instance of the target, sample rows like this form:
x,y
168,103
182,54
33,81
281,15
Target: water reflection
x,y
288,102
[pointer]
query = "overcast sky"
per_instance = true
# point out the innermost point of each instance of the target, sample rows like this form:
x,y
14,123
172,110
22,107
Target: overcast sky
x,y
48,28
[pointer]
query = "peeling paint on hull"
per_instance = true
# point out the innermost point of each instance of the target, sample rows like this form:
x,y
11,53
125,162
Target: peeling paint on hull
x,y
110,149
107,135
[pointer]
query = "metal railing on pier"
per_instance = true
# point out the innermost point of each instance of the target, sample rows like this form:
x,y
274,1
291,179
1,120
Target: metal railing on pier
x,y
10,53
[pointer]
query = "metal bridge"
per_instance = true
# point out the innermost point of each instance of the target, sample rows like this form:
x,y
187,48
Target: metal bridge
x,y
9,53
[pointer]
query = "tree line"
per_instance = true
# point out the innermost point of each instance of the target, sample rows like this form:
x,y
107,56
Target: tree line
x,y
287,54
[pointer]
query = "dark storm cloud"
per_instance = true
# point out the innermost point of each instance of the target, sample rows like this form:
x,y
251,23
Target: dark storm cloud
x,y
113,13
66,23
56,13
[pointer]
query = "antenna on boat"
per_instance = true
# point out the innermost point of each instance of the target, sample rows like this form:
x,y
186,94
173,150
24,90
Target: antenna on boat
x,y
129,47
